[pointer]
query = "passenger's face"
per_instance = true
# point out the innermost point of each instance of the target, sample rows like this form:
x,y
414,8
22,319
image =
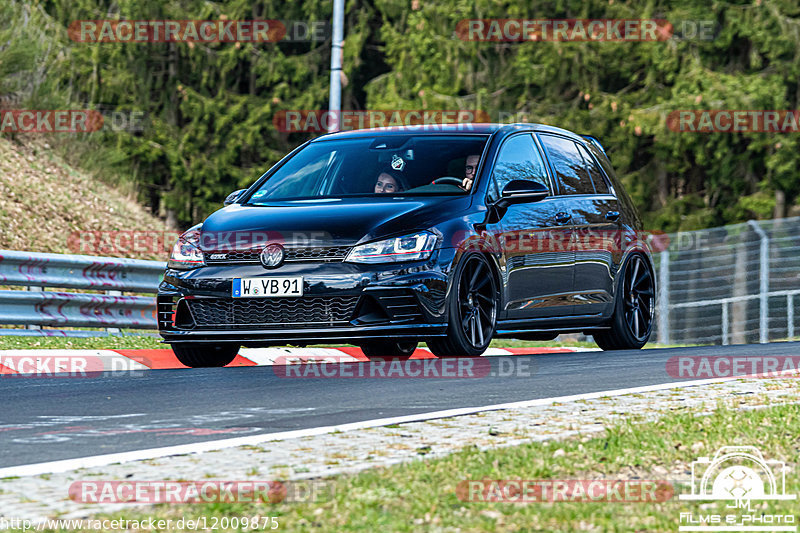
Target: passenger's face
x,y
471,167
385,184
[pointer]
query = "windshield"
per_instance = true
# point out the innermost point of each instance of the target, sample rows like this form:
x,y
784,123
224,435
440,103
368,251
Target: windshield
x,y
371,166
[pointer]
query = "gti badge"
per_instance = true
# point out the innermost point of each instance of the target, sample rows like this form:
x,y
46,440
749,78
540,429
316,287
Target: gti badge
x,y
272,256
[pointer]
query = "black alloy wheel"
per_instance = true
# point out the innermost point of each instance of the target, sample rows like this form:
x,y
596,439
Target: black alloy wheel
x,y
472,310
632,322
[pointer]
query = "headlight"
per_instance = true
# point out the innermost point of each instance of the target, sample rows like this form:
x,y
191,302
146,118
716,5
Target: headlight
x,y
407,248
186,254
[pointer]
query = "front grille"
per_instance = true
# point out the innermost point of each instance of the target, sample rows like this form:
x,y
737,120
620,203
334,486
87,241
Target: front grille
x,y
225,312
293,254
322,253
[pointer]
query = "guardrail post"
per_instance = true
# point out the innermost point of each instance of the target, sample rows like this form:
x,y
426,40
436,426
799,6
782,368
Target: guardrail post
x,y
35,289
663,297
113,293
763,307
790,315
725,323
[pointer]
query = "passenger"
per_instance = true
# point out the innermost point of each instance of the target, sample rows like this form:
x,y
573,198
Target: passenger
x,y
387,183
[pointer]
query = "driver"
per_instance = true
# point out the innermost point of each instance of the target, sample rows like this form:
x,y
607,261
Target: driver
x,y
469,171
388,182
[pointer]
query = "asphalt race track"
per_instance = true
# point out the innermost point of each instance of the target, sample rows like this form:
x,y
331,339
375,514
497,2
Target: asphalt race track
x,y
49,419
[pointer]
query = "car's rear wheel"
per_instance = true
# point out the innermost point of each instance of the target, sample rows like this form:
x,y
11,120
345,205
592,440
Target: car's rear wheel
x,y
205,355
633,310
388,348
472,310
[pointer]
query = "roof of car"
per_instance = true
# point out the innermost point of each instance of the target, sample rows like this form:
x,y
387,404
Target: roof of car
x,y
449,129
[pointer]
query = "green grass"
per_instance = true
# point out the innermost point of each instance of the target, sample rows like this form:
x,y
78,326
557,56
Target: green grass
x,y
75,343
139,341
421,495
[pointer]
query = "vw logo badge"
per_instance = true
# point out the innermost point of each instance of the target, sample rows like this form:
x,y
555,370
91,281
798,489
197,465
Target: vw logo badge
x,y
272,256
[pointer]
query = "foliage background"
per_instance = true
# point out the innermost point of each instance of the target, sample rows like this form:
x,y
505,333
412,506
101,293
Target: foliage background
x,y
210,106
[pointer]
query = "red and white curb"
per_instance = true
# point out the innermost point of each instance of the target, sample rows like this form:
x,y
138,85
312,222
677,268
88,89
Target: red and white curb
x,y
46,362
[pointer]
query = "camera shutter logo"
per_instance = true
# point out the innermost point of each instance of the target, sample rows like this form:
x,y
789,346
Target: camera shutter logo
x,y
739,474
272,256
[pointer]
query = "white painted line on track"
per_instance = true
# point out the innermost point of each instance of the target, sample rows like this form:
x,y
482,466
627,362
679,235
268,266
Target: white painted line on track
x,y
66,465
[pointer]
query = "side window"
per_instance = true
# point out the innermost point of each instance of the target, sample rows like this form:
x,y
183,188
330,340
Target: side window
x,y
568,164
519,159
605,164
598,179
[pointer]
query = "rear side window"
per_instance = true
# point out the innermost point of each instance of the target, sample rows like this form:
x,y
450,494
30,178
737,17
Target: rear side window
x,y
519,159
598,179
571,172
604,162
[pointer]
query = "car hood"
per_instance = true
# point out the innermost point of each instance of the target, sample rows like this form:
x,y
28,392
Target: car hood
x,y
341,221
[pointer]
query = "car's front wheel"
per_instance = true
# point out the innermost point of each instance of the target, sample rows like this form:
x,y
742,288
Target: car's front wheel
x,y
633,310
472,310
205,355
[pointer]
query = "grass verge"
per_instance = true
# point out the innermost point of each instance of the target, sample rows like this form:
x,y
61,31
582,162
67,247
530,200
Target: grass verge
x,y
81,343
136,341
421,495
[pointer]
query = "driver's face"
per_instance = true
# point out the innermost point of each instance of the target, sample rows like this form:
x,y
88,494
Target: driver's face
x,y
471,166
385,184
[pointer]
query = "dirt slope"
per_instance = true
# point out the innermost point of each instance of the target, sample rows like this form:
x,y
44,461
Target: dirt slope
x,y
48,206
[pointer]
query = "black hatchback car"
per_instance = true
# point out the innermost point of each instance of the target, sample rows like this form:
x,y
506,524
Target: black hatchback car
x,y
451,235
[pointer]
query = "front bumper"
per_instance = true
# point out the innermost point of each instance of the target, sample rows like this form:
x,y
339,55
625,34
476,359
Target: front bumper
x,y
341,302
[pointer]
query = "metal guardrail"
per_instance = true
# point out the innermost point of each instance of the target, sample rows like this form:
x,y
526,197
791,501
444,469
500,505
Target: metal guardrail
x,y
36,307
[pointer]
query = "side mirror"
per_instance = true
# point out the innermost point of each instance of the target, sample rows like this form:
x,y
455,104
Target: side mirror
x,y
519,191
233,196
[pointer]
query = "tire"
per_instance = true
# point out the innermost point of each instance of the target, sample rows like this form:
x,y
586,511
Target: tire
x,y
205,355
471,310
634,305
388,348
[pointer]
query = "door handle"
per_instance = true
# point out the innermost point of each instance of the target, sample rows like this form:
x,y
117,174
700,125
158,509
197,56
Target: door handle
x,y
612,216
563,218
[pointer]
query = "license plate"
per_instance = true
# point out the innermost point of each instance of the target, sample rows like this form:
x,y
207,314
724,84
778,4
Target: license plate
x,y
267,287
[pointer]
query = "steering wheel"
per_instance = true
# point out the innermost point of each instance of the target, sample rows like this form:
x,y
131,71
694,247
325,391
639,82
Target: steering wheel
x,y
448,180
